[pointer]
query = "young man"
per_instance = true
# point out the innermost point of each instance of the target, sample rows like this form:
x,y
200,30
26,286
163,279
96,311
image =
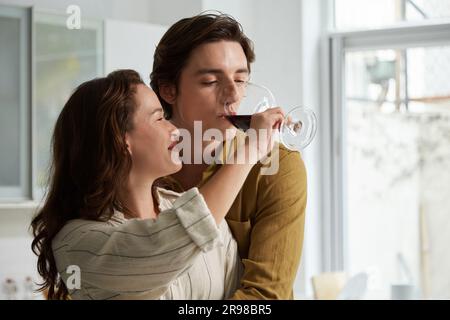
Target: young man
x,y
199,65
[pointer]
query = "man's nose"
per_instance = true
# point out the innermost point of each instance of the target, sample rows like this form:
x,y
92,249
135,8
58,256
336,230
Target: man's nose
x,y
231,96
232,92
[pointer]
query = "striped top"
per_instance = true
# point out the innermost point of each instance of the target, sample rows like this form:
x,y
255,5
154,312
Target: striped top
x,y
180,255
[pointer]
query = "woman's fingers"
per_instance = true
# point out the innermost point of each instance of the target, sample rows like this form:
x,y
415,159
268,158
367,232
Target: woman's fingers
x,y
264,123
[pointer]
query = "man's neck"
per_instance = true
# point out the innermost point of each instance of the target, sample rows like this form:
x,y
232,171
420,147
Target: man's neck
x,y
190,175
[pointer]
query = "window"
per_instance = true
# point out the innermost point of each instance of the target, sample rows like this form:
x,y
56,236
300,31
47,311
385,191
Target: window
x,y
390,120
398,131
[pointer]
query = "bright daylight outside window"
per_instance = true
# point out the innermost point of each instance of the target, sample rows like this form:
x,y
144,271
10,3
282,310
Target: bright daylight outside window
x,y
397,155
365,14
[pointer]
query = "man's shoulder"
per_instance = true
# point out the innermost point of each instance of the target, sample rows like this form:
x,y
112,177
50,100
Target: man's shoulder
x,y
288,154
265,190
288,161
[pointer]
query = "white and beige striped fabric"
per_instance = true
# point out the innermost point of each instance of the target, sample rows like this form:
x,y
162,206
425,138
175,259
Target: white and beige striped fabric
x,y
180,255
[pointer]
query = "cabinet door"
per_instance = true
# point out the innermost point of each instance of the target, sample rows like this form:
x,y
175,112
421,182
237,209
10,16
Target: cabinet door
x,y
64,58
14,103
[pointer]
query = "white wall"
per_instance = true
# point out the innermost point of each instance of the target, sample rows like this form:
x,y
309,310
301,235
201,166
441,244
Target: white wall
x,y
130,45
135,10
314,24
168,12
16,259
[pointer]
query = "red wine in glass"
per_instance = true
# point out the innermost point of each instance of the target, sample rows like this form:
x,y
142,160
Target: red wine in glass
x,y
240,121
297,129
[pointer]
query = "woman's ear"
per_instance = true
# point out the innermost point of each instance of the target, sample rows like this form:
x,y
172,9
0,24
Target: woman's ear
x,y
168,93
127,142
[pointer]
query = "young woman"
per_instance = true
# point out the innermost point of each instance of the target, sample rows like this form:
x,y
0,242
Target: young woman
x,y
104,215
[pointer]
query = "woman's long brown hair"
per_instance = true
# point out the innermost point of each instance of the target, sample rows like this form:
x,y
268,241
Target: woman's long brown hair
x,y
89,163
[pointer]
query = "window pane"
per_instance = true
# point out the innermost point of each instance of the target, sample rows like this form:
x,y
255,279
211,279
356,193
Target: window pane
x,y
64,59
397,168
428,70
368,14
427,9
10,102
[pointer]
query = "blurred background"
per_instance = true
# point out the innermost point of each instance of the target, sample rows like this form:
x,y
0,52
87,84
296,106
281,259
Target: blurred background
x,y
376,72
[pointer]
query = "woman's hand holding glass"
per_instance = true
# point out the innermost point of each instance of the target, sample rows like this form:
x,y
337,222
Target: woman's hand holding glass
x,y
297,128
264,125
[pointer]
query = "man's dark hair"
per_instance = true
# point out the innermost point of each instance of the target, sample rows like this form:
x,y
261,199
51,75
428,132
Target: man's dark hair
x,y
175,47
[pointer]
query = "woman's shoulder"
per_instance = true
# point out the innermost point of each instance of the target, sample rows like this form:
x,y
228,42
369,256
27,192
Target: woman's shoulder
x,y
73,228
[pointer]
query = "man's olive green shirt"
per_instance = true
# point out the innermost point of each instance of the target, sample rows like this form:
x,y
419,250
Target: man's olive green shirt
x,y
267,220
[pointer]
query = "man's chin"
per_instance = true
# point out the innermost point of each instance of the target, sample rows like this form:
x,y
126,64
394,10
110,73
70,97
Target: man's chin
x,y
227,130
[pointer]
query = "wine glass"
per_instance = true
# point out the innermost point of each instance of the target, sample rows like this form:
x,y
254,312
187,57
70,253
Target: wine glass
x,y
297,129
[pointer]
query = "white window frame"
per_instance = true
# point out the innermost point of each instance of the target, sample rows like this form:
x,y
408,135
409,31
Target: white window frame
x,y
335,46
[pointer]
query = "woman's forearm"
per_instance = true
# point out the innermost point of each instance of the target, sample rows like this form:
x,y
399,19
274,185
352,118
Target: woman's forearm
x,y
222,188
